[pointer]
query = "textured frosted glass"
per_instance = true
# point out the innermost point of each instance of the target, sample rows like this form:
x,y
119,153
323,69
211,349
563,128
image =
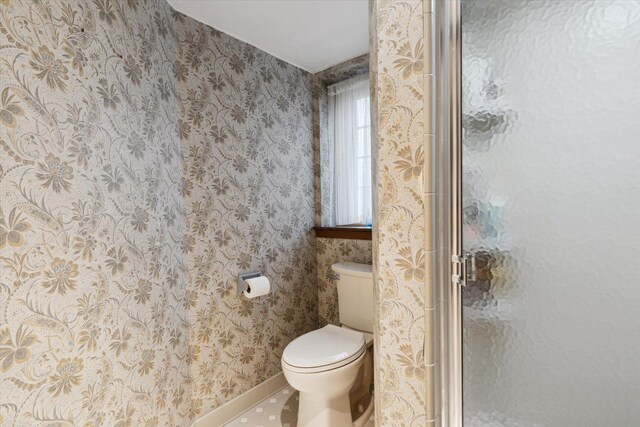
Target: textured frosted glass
x,y
551,111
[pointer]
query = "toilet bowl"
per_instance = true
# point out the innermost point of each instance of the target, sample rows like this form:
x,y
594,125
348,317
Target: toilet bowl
x,y
323,366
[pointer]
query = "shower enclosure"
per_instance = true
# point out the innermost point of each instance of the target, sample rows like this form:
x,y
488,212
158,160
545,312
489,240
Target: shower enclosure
x,y
539,160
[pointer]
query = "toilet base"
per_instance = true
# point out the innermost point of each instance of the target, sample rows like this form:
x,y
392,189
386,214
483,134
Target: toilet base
x,y
365,416
324,396
320,411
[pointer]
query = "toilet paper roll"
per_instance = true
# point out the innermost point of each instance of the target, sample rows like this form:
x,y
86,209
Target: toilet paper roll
x,y
257,287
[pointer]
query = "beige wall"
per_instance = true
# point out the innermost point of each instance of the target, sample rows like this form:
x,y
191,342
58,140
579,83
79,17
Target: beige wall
x,y
403,242
145,160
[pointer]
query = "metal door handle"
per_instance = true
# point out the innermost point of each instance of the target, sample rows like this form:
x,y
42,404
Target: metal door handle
x,y
467,269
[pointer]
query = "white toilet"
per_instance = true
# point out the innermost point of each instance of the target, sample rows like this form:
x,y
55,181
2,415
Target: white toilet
x,y
323,365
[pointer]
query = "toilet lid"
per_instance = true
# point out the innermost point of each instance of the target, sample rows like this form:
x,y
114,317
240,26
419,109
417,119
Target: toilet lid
x,y
328,347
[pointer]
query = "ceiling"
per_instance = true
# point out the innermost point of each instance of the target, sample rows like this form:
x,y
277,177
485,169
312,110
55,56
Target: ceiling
x,y
311,34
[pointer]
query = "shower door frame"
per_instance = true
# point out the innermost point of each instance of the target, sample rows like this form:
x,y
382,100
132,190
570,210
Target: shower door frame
x,y
448,170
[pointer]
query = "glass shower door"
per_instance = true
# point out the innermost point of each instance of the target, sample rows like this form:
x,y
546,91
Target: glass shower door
x,y
551,213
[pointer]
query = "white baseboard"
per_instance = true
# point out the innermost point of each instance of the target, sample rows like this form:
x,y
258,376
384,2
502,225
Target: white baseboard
x,y
231,409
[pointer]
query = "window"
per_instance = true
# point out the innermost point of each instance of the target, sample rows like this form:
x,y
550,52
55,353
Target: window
x,y
350,151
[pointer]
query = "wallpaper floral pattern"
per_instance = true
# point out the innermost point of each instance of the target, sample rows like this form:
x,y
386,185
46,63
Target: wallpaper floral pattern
x,y
247,155
332,251
145,160
403,241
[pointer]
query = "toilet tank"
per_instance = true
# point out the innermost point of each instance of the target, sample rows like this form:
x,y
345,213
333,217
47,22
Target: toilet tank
x,y
355,295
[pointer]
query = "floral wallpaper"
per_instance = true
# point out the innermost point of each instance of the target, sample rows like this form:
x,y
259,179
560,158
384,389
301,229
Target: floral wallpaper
x,y
332,251
247,155
145,160
403,242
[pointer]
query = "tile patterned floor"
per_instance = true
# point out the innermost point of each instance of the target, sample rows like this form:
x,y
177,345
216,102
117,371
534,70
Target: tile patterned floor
x,y
278,410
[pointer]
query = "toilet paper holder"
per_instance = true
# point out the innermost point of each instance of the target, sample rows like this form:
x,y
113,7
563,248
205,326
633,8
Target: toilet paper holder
x,y
242,284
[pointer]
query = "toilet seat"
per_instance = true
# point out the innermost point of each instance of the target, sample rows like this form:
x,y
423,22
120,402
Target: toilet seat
x,y
324,349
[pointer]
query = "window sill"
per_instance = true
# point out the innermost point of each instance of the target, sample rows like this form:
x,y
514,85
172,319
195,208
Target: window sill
x,y
344,232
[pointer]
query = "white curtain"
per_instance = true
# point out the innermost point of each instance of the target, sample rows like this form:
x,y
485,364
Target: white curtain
x,y
350,151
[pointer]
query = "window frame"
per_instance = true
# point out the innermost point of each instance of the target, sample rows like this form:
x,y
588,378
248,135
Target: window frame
x,y
320,83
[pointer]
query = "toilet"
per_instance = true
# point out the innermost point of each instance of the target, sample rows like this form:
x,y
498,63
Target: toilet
x,y
332,367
